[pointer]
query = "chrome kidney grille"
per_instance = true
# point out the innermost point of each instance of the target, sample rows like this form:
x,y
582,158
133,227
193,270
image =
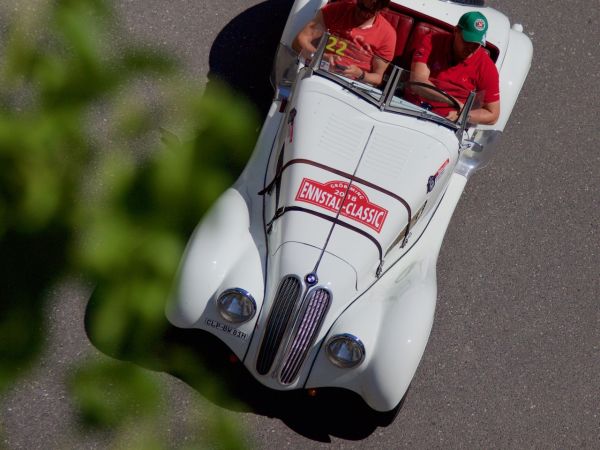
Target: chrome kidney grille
x,y
286,298
307,327
291,329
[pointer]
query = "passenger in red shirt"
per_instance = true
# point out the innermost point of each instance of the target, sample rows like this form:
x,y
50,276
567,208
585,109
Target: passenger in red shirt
x,y
468,67
360,23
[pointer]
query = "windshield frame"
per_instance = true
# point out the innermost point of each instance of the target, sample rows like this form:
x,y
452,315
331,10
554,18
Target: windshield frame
x,y
384,103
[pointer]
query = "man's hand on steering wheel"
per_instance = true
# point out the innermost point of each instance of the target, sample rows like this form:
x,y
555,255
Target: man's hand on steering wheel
x,y
453,115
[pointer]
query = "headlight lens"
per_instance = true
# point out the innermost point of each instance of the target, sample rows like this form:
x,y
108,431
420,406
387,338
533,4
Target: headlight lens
x,y
345,350
236,305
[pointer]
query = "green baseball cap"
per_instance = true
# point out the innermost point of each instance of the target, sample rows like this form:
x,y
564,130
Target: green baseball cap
x,y
473,26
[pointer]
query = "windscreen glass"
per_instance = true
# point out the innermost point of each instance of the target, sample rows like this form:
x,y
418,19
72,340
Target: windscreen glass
x,y
432,97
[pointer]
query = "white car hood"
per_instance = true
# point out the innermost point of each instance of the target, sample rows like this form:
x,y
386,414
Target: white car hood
x,y
336,137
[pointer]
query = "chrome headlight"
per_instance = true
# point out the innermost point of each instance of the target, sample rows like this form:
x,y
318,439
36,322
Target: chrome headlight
x,y
236,305
345,350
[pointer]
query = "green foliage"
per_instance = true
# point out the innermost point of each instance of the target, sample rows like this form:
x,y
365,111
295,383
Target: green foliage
x,y
108,393
139,222
229,437
92,183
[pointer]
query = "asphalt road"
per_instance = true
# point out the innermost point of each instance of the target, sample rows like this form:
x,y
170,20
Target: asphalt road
x,y
514,356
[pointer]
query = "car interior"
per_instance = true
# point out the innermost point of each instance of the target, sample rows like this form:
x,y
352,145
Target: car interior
x,y
411,26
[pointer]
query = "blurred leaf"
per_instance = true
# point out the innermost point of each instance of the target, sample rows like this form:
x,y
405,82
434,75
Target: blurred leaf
x,y
225,434
145,436
143,60
109,393
88,187
20,340
30,263
128,320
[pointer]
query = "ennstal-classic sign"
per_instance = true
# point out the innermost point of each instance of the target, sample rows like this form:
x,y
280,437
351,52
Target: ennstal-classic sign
x,y
330,196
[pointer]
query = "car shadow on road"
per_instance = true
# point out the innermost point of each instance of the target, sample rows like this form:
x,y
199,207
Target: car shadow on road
x,y
204,362
331,412
243,52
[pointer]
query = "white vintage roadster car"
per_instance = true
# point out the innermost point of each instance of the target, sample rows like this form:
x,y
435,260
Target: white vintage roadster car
x,y
318,267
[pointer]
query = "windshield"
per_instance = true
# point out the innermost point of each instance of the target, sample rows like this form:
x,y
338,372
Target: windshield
x,y
338,58
344,59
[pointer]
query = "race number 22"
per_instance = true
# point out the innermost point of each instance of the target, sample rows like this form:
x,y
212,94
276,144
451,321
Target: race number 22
x,y
336,45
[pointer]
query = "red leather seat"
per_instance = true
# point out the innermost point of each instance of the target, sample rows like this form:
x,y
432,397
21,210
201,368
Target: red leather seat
x,y
441,41
402,24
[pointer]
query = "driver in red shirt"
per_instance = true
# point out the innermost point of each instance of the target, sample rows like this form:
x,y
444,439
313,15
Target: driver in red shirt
x,y
468,67
360,23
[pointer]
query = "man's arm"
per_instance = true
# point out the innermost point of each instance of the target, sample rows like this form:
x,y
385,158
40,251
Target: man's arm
x,y
486,115
375,77
489,84
419,72
311,31
490,111
378,64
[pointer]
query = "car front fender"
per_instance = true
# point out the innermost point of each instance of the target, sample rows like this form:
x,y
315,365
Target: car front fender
x,y
219,242
393,319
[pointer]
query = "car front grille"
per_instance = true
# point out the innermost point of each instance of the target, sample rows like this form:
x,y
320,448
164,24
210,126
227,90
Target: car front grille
x,y
309,322
286,298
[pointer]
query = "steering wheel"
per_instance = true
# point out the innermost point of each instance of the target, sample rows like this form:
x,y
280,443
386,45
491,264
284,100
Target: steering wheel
x,y
451,100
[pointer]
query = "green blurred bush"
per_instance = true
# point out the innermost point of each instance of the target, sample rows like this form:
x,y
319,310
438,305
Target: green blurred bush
x,y
93,184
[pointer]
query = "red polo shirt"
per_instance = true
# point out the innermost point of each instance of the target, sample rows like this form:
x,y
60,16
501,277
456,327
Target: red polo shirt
x,y
381,36
478,72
